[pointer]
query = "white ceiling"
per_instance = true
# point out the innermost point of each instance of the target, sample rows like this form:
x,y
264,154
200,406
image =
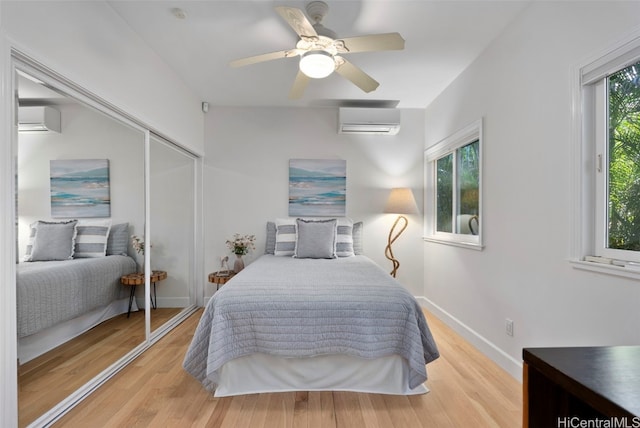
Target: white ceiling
x,y
442,38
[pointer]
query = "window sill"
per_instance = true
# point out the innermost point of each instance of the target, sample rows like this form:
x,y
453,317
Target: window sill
x,y
468,245
626,272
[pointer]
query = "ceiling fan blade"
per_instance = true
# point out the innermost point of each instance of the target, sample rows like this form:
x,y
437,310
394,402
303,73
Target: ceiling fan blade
x,y
358,77
299,85
298,21
264,57
374,42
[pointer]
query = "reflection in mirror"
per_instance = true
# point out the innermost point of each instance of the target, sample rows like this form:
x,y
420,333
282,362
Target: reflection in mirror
x,y
72,317
172,196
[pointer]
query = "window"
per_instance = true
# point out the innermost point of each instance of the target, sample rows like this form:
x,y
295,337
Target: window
x,y
453,188
622,150
608,158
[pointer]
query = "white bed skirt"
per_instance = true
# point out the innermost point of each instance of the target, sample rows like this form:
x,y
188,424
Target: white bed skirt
x,y
30,347
262,373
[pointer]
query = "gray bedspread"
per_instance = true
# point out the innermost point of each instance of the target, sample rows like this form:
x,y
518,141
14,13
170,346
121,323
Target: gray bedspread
x,y
52,292
292,307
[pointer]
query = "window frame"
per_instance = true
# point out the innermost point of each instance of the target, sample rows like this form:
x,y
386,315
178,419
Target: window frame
x,y
590,166
449,145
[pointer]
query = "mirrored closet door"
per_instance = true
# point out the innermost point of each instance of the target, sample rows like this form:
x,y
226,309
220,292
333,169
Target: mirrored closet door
x,y
76,166
172,184
92,184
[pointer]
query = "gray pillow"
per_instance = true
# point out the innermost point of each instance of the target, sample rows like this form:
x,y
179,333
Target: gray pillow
x,y
270,245
316,239
118,241
357,238
53,241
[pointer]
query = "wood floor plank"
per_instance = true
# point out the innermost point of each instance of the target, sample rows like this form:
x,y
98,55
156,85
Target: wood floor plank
x,y
348,411
49,378
466,390
301,410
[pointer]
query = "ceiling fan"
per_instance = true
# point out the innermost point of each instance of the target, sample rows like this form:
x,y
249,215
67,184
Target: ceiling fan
x,y
321,51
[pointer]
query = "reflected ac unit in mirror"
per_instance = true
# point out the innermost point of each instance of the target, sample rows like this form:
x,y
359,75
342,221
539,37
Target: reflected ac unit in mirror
x,y
379,121
38,119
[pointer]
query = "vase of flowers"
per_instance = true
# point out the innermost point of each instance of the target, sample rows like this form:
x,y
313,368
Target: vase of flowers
x,y
240,245
138,245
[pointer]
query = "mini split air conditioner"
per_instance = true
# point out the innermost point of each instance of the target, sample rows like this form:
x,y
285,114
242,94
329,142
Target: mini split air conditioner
x,y
39,118
380,121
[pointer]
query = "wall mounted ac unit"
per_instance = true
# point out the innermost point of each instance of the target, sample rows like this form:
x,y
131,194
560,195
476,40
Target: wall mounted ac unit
x,y
39,118
380,121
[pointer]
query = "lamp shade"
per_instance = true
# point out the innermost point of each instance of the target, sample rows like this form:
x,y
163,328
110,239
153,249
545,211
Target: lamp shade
x,y
401,201
317,64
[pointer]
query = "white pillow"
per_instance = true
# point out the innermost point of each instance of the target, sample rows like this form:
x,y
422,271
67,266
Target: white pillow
x,y
91,238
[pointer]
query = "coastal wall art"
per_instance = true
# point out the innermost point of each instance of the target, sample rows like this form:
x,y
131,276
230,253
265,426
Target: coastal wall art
x,y
317,187
80,188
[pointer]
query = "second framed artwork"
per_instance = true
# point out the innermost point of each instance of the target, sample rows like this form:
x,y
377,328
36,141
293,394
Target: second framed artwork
x,y
317,187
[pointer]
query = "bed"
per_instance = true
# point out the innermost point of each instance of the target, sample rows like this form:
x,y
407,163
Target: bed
x,y
289,323
59,299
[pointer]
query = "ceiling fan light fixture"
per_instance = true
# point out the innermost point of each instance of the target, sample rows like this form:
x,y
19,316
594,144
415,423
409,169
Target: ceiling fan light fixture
x,y
317,64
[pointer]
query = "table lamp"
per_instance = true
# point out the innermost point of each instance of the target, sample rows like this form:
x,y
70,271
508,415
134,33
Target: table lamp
x,y
401,201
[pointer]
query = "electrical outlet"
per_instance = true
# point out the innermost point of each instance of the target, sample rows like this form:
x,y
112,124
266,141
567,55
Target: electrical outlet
x,y
509,327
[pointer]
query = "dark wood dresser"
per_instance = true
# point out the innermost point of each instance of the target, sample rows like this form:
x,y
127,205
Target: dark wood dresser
x,y
564,386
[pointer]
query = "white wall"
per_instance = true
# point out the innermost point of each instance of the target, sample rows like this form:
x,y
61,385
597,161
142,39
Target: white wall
x,y
88,43
86,134
247,175
522,86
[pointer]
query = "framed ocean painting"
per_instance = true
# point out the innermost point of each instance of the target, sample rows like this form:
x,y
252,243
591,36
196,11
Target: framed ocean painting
x,y
317,187
80,188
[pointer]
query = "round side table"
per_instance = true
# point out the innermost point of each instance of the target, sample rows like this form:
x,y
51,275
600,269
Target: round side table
x,y
135,279
221,278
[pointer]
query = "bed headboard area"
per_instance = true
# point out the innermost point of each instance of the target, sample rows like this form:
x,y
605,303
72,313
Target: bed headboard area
x,y
74,239
314,237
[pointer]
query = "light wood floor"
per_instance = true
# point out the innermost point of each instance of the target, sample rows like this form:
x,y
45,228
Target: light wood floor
x,y
46,380
466,390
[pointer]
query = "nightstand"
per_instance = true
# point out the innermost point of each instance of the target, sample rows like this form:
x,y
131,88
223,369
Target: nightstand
x,y
135,279
221,278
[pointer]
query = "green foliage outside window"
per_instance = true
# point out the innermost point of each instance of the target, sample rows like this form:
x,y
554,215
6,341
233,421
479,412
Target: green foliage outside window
x,y
467,184
444,194
624,159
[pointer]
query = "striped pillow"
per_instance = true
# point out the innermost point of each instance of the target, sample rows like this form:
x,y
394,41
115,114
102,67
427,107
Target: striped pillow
x,y
285,237
344,238
91,240
30,240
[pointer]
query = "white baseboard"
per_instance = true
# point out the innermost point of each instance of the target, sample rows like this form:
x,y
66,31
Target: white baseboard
x,y
488,348
167,302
